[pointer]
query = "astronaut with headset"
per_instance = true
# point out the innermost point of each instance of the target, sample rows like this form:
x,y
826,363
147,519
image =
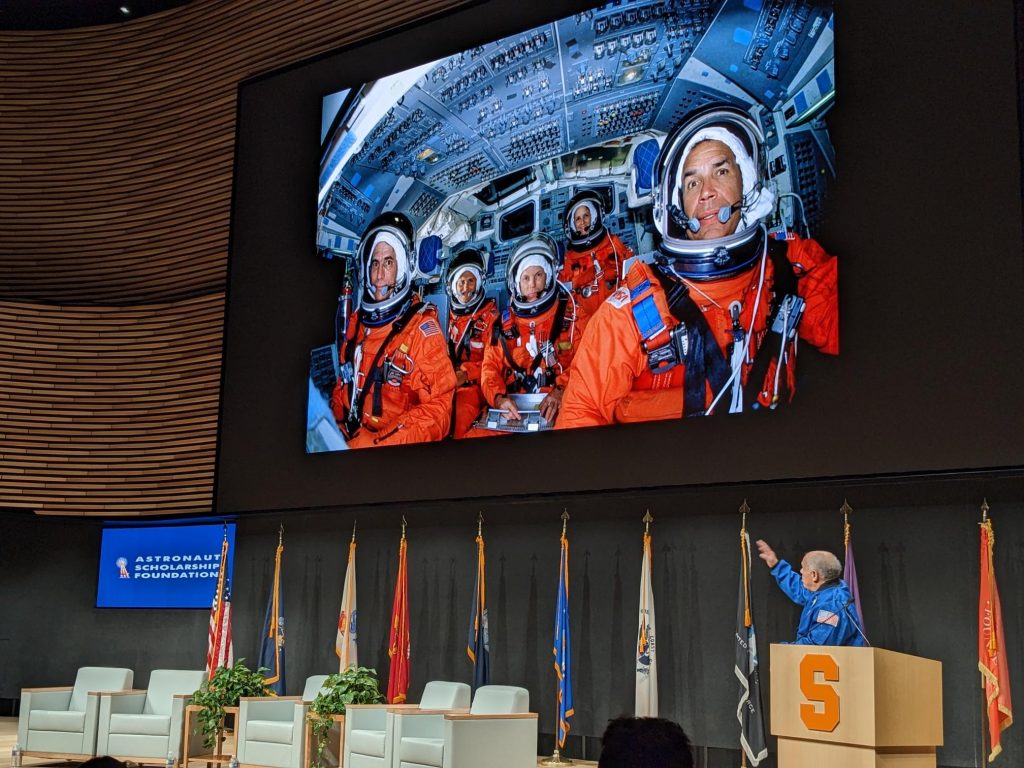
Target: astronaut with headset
x,y
532,346
594,257
396,378
712,324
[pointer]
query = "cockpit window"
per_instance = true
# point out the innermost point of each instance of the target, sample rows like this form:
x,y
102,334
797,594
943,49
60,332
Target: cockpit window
x,y
517,222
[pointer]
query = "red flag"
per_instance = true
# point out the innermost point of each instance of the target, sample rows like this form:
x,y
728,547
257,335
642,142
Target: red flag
x,y
219,649
995,673
398,643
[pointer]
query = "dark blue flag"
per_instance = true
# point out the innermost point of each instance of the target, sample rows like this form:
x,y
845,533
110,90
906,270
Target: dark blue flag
x,y
563,649
478,648
272,643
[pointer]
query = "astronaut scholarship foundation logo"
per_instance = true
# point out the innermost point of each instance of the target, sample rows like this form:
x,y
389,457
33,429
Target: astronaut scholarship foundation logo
x,y
122,567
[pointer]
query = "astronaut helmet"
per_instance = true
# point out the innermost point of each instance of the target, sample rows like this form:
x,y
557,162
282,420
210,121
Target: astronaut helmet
x,y
583,220
467,262
535,251
385,255
711,195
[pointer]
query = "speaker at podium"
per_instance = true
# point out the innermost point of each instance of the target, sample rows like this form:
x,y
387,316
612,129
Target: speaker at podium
x,y
849,707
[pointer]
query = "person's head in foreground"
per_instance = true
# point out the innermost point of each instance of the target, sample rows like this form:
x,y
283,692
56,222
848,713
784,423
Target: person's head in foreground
x,y
644,742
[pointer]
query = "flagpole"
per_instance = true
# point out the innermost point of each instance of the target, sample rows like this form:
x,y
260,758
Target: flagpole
x,y
984,702
556,758
744,508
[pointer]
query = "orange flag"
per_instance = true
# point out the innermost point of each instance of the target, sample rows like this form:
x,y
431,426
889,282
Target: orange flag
x,y
398,643
995,673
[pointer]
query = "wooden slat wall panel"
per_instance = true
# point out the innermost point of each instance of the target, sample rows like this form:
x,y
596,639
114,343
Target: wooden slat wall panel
x,y
116,143
109,410
116,152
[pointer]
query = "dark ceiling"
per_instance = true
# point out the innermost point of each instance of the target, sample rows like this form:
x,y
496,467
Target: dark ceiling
x,y
66,14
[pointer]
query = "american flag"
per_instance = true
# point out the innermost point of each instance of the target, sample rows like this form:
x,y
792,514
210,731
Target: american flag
x,y
219,649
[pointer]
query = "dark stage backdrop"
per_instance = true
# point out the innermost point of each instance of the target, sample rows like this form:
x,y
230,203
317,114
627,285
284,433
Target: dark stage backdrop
x,y
917,555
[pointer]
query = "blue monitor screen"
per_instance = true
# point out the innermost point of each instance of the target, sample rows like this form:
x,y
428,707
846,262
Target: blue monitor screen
x,y
165,566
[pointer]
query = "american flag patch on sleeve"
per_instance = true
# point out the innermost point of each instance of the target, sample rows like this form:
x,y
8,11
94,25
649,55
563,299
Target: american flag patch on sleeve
x,y
827,617
430,328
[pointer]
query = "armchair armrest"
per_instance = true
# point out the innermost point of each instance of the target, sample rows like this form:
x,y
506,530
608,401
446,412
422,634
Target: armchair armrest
x,y
45,698
67,688
510,716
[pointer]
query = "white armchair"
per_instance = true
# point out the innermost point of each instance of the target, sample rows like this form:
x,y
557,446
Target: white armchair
x,y
62,722
271,730
499,731
369,728
146,726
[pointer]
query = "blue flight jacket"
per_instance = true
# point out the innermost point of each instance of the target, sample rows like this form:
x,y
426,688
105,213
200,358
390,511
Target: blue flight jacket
x,y
829,616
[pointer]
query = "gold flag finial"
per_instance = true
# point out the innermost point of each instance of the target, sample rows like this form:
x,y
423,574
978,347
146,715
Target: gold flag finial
x,y
984,510
647,521
354,531
404,523
280,534
565,519
225,529
479,523
744,508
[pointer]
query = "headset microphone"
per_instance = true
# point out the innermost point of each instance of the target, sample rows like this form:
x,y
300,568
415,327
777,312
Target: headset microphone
x,y
692,224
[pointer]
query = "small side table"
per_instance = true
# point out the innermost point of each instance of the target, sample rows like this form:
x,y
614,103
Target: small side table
x,y
218,756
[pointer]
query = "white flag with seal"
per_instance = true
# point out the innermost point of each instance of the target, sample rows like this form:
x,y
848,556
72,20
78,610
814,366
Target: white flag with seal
x,y
646,663
345,642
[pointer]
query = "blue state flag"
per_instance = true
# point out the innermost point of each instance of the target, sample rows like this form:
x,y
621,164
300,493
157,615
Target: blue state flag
x,y
563,647
272,642
478,647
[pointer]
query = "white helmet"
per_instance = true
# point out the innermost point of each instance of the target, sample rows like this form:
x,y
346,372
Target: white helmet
x,y
721,256
467,260
537,250
396,231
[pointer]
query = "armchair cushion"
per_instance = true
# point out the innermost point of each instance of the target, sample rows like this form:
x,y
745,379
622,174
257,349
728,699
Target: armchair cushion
x,y
56,720
272,731
365,742
422,751
141,725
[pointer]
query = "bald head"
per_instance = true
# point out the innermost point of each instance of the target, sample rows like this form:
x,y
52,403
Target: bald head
x,y
818,568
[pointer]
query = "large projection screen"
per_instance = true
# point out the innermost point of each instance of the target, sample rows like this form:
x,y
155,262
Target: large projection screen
x,y
924,217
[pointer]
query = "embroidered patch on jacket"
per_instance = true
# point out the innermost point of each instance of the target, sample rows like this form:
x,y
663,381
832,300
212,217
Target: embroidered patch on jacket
x,y
620,298
430,328
827,617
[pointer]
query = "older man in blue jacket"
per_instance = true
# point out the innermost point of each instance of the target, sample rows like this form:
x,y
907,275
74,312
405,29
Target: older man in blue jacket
x,y
829,616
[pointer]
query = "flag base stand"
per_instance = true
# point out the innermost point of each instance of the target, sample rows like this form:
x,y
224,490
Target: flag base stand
x,y
555,759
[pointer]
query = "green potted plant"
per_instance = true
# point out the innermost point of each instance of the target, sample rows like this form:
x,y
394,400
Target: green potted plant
x,y
358,685
224,689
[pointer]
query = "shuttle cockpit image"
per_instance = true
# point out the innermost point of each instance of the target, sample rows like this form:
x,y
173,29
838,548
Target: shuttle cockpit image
x,y
678,156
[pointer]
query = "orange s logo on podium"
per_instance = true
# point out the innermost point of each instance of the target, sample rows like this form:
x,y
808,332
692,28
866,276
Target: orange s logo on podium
x,y
821,710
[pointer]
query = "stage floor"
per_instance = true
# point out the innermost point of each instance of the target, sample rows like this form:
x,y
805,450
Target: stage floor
x,y
9,732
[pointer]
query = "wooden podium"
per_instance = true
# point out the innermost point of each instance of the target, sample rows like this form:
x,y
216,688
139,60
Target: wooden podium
x,y
846,707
